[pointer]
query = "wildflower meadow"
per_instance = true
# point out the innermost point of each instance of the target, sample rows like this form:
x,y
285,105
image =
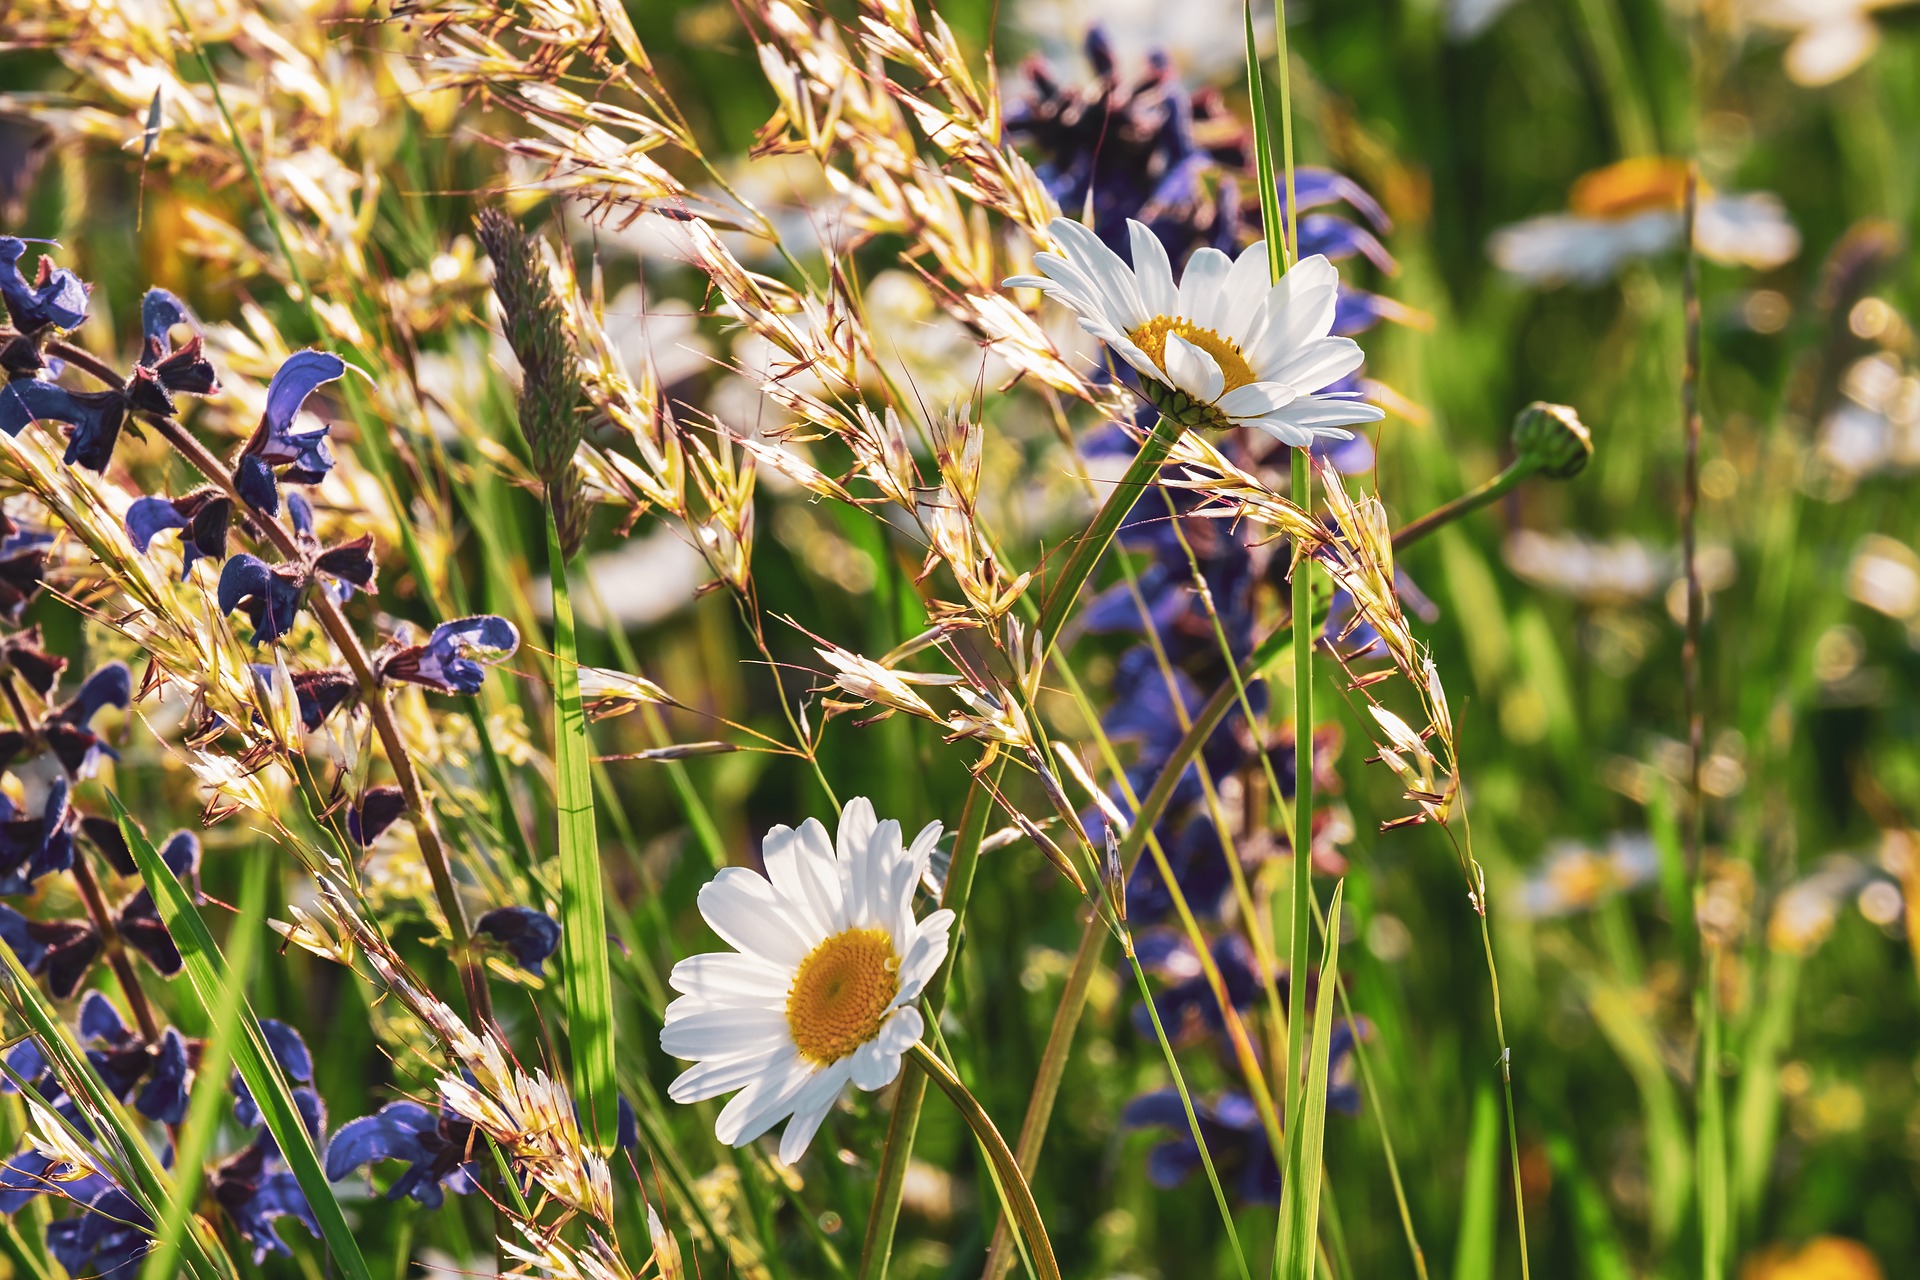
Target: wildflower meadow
x,y
1070,639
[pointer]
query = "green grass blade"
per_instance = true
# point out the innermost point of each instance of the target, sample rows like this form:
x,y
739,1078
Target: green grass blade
x,y
207,970
1300,1197
1480,1191
210,1084
583,930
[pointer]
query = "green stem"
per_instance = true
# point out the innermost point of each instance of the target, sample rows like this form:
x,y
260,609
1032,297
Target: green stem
x,y
878,1248
1302,879
1088,549
1019,1196
1465,504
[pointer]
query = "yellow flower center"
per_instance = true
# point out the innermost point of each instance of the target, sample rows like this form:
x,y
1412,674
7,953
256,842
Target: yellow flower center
x,y
841,993
1151,338
1630,187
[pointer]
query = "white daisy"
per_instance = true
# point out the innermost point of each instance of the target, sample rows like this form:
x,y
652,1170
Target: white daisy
x,y
1635,209
1224,348
819,991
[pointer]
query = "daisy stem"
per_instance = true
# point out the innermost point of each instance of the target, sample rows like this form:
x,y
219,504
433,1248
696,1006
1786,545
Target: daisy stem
x,y
905,1122
1088,549
1467,503
1019,1196
1302,879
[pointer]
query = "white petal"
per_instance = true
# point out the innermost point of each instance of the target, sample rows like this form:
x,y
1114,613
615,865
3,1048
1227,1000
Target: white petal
x,y
715,1076
1320,363
924,953
1152,272
920,852
730,975
1750,230
1294,319
1203,286
877,1062
1254,399
810,1108
764,1103
711,1032
1246,289
800,864
1193,370
1830,49
1321,415
743,908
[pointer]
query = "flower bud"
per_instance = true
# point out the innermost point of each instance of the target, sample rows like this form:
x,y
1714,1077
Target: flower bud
x,y
1552,438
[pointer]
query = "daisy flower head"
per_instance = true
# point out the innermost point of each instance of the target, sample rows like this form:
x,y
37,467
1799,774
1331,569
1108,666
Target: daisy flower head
x,y
1634,209
1222,348
819,990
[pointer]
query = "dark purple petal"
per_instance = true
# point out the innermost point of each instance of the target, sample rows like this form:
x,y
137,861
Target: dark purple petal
x,y
289,1050
350,563
321,692
58,298
275,441
169,1082
443,662
160,311
378,809
1338,239
149,517
22,574
300,514
24,1176
13,931
530,935
254,481
271,596
109,686
392,1133
25,654
104,835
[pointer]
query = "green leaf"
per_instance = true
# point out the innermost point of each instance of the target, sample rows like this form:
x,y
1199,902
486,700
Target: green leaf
x,y
207,970
210,1083
583,930
1300,1196
1480,1196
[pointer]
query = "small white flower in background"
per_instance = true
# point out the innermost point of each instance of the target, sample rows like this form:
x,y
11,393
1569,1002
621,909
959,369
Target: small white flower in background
x,y
1222,349
1831,38
819,990
1635,209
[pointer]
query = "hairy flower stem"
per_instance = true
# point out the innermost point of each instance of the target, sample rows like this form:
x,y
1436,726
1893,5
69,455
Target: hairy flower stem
x,y
1012,1182
1092,544
419,810
1467,503
905,1122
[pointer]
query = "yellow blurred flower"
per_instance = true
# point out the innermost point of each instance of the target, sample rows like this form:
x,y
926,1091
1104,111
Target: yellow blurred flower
x,y
1824,1258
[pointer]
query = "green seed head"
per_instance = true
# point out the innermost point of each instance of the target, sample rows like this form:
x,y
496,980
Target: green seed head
x,y
1553,439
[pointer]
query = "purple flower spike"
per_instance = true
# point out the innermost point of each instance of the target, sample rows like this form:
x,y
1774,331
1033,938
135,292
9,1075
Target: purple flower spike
x,y
1315,187
269,594
530,935
379,808
204,516
1231,1128
57,299
255,1198
443,664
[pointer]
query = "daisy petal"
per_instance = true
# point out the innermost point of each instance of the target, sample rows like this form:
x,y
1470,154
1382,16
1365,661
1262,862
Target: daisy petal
x,y
1192,370
1203,287
1255,399
742,907
1152,272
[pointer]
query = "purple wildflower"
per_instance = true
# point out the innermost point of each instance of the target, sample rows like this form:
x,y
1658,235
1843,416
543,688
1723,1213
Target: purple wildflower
x,y
377,809
270,594
442,663
203,517
434,1145
278,450
57,299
